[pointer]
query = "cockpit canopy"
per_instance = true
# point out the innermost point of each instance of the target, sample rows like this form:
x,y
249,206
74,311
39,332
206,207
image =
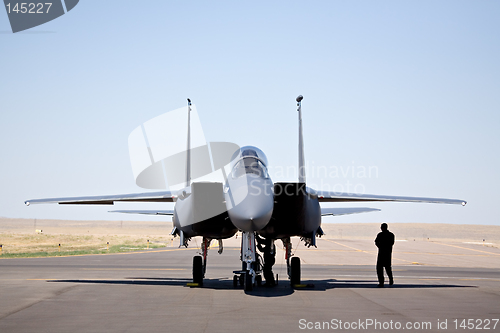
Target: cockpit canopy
x,y
249,160
249,165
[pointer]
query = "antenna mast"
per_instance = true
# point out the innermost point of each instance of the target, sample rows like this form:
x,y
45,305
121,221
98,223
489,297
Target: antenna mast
x,y
188,149
302,168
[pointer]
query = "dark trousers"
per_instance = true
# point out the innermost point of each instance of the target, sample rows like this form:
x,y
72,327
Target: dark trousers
x,y
381,264
268,269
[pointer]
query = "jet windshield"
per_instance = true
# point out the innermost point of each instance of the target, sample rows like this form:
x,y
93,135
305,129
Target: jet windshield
x,y
249,165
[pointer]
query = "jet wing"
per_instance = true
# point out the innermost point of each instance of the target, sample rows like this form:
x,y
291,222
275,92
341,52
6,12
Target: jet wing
x,y
326,196
146,212
164,196
345,211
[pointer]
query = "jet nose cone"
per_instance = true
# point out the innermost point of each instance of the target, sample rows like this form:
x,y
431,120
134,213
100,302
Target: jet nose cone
x,y
246,221
251,218
253,210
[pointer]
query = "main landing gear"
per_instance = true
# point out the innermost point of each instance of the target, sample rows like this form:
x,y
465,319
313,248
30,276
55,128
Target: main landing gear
x,y
251,272
198,269
200,262
292,264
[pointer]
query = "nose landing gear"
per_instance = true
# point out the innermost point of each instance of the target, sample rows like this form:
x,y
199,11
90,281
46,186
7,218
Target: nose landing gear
x,y
250,273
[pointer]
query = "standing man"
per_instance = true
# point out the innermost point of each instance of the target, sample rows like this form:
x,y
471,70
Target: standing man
x,y
384,242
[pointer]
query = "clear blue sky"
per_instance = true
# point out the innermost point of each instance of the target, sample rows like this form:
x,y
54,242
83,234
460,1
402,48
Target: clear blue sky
x,y
410,87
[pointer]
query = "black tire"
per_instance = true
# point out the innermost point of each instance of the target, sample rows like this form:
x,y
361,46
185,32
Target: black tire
x,y
235,281
295,271
241,279
198,270
248,282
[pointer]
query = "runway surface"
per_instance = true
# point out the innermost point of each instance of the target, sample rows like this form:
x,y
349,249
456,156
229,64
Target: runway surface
x,y
435,284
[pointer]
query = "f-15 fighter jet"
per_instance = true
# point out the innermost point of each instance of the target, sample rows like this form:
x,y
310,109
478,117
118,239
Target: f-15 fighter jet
x,y
247,201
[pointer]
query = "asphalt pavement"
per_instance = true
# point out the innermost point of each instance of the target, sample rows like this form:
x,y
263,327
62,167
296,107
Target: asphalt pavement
x,y
147,291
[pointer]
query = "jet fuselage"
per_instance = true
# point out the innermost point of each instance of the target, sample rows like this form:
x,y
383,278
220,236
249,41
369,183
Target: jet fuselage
x,y
249,202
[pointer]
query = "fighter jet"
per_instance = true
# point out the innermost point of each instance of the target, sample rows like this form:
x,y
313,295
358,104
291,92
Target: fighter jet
x,y
248,202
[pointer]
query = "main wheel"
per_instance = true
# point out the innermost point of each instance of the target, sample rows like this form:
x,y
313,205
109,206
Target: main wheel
x,y
248,282
295,271
198,270
235,281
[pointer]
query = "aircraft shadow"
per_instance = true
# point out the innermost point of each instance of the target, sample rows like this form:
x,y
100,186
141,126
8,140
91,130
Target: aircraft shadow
x,y
282,289
134,281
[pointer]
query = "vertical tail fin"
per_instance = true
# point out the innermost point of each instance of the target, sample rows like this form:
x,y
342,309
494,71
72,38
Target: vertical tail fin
x,y
302,167
188,149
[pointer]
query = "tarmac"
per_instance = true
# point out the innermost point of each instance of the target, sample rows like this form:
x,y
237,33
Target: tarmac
x,y
438,287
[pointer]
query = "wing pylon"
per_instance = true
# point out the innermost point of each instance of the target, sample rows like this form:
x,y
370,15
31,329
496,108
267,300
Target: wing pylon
x,y
327,211
144,212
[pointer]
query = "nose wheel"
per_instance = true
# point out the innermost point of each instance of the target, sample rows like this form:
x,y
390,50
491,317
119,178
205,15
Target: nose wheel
x,y
247,283
245,279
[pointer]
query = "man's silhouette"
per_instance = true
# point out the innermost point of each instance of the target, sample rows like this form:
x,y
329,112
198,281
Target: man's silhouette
x,y
266,246
384,242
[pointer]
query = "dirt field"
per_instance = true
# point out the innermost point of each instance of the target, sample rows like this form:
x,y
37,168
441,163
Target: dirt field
x,y
37,236
80,237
